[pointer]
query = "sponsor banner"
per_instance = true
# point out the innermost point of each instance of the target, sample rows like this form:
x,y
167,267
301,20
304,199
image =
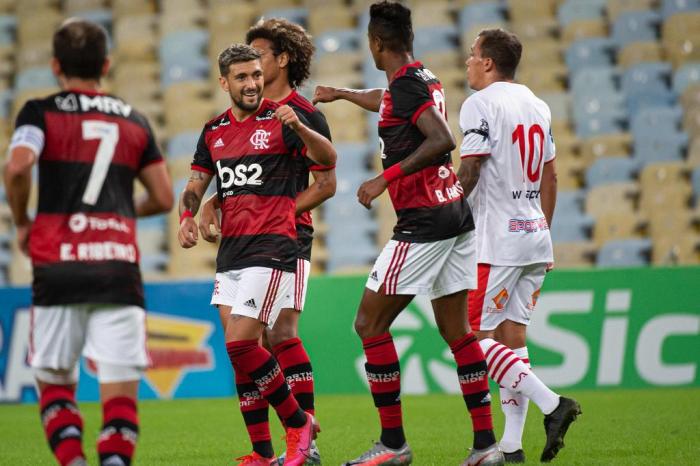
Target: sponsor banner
x,y
590,329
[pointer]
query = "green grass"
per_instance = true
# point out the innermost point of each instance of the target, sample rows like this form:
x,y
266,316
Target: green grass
x,y
618,427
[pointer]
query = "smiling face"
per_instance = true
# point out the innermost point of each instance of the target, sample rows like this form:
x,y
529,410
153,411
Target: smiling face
x,y
244,83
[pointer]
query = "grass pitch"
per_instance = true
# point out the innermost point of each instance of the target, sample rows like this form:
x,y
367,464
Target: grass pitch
x,y
618,427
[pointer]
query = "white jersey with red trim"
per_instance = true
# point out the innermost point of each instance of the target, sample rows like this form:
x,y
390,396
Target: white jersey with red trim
x,y
511,128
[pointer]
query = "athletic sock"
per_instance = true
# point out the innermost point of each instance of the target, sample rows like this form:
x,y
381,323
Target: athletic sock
x,y
254,408
384,377
296,365
514,406
474,383
120,428
508,371
255,361
62,423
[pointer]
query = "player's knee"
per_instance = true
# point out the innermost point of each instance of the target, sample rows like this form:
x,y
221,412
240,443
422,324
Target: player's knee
x,y
56,376
367,328
279,334
450,333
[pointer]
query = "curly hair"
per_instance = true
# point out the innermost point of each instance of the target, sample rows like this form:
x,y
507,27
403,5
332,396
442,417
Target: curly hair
x,y
286,36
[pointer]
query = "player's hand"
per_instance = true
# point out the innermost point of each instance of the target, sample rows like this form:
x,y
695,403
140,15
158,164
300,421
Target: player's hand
x,y
288,117
370,190
549,267
23,237
187,234
324,94
208,217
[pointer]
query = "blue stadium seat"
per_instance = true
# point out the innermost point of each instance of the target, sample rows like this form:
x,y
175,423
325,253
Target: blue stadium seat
x,y
637,101
594,80
635,26
8,24
100,16
5,101
605,104
181,46
573,10
671,7
182,144
596,125
192,68
295,15
434,39
568,228
646,77
153,222
480,13
611,170
624,253
654,119
591,51
570,201
686,75
695,180
660,146
340,40
352,158
36,77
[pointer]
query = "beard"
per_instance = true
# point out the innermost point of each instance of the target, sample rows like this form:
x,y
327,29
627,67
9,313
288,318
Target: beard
x,y
247,107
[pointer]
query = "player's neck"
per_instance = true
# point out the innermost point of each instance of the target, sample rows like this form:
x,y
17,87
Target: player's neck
x,y
77,84
240,115
394,62
277,90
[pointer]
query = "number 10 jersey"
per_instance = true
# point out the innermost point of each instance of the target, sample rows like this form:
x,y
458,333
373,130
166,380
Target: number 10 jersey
x,y
511,128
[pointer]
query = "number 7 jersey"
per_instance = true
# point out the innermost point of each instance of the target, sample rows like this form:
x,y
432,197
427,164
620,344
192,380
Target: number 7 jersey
x,y
509,127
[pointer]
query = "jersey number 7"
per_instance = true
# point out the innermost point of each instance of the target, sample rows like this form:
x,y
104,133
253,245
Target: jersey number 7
x,y
108,134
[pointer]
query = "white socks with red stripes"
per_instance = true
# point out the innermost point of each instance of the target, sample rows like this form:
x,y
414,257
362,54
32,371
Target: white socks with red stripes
x,y
514,407
508,371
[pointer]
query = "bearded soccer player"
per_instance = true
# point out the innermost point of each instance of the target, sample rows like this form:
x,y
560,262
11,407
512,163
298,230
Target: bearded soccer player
x,y
286,51
508,161
252,149
87,290
433,248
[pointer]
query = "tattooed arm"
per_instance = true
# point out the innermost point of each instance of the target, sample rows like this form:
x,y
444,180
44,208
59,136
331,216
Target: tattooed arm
x,y
190,199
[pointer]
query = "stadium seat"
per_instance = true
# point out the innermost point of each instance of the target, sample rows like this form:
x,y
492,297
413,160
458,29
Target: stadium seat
x,y
572,10
570,228
672,7
653,198
478,13
38,77
693,158
676,249
132,8
639,52
433,39
577,254
691,121
594,51
329,17
655,119
646,77
624,253
619,197
695,180
616,226
635,26
610,170
606,145
583,29
535,28
295,15
338,41
559,104
434,13
685,76
190,69
664,175
353,158
594,80
678,27
100,16
180,47
596,125
545,78
525,10
183,144
616,7
660,147
542,52
683,51
8,23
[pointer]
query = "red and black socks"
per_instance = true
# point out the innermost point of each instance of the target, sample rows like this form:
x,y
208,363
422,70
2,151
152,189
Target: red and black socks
x,y
296,365
255,361
384,377
120,429
254,408
62,423
474,383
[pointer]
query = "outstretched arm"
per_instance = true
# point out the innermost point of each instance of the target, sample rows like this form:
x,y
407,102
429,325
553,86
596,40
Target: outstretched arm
x,y
369,99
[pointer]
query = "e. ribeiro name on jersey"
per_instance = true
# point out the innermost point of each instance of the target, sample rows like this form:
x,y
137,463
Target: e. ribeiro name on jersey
x,y
254,163
82,244
430,203
509,126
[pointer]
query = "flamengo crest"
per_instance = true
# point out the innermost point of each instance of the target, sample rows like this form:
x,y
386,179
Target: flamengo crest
x,y
260,139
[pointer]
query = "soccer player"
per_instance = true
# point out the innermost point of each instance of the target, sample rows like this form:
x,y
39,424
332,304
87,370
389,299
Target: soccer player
x,y
286,51
433,248
508,162
252,149
87,290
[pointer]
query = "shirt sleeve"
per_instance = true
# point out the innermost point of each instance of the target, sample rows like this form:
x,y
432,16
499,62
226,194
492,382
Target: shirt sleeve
x,y
409,97
317,122
29,128
549,147
473,121
202,156
151,153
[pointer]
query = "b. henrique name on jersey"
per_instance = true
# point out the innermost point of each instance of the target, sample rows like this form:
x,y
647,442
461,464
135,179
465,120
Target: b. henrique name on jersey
x,y
82,244
254,162
430,204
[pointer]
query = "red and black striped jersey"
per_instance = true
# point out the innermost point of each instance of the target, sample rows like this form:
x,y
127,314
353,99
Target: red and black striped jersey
x,y
430,204
317,122
83,239
254,162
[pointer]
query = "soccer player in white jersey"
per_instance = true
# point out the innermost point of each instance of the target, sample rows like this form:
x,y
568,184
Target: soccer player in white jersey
x,y
508,168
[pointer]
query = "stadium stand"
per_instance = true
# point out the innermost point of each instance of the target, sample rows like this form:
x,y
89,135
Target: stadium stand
x,y
622,78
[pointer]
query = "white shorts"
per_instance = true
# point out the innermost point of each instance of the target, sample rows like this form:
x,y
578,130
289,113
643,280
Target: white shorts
x,y
301,282
107,334
505,293
435,269
256,292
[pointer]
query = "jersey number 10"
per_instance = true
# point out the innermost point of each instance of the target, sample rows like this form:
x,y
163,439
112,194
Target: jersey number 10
x,y
530,168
